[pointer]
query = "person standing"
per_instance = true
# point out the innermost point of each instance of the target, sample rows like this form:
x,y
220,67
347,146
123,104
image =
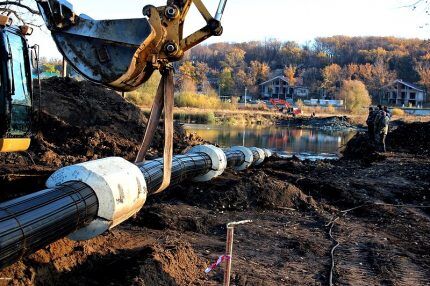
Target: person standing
x,y
382,131
371,124
377,123
388,112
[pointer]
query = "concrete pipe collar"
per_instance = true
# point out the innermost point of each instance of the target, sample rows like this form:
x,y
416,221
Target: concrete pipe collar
x,y
261,153
120,188
249,157
218,158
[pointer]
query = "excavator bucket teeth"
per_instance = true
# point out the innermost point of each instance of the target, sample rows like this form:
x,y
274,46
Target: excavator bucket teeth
x,y
110,52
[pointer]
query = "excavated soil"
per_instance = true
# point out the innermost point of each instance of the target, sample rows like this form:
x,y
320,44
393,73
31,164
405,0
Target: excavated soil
x,y
79,121
384,238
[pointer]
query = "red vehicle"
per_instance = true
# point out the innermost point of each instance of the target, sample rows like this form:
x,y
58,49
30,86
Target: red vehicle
x,y
285,107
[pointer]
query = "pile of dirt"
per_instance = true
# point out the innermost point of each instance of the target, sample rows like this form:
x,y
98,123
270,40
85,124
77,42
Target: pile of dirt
x,y
175,264
361,148
333,123
413,138
81,121
232,192
96,262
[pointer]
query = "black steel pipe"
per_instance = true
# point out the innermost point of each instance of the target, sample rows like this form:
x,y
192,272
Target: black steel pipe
x,y
36,220
183,167
235,158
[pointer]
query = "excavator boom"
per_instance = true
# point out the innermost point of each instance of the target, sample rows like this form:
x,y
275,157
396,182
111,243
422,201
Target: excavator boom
x,y
123,54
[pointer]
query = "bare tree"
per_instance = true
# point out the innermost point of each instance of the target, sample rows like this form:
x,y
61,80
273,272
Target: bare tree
x,y
23,11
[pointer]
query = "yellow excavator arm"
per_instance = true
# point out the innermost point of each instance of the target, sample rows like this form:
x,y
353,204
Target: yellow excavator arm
x,y
122,54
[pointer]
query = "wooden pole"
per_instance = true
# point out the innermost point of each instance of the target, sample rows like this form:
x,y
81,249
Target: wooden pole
x,y
229,249
228,252
64,72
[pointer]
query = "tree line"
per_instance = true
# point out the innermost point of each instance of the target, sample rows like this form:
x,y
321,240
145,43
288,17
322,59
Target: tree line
x,y
321,65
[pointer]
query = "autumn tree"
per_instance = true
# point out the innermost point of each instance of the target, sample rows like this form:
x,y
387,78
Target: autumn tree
x,y
290,73
187,77
381,77
226,82
312,78
234,58
201,76
332,76
259,72
355,96
423,69
291,54
243,79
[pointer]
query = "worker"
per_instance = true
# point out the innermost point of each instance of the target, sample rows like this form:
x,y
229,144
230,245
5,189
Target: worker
x,y
371,124
387,111
376,122
381,131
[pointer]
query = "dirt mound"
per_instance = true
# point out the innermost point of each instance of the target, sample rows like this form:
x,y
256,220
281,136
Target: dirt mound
x,y
82,121
97,262
361,148
232,192
164,216
413,138
175,264
325,123
85,104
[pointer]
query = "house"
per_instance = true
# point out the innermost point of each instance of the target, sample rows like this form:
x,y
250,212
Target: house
x,y
279,88
401,93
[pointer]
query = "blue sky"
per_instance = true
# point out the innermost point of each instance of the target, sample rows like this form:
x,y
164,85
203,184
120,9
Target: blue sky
x,y
292,20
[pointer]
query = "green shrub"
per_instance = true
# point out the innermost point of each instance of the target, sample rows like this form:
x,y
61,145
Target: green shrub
x,y
189,99
144,95
211,119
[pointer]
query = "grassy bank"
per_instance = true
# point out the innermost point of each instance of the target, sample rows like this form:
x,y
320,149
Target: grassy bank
x,y
225,117
241,117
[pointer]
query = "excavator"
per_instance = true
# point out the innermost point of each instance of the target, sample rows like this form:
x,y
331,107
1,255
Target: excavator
x,y
16,89
120,54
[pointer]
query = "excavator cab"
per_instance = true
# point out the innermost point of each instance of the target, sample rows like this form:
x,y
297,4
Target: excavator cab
x,y
15,88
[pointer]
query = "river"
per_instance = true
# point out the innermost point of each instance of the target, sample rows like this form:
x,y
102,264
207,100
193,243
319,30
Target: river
x,y
286,141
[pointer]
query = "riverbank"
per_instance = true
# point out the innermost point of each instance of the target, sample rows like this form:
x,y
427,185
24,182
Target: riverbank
x,y
237,117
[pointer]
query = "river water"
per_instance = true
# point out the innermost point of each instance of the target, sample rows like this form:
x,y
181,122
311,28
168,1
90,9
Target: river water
x,y
286,141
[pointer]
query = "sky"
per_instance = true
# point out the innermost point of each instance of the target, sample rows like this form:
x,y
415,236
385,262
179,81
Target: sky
x,y
285,20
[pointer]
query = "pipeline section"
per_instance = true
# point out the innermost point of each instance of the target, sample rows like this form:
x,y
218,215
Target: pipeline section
x,y
85,200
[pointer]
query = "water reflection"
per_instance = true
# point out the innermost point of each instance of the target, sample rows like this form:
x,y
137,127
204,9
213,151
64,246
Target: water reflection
x,y
290,141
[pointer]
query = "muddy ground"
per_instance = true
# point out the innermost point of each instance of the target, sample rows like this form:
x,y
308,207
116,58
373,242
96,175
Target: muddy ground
x,y
179,233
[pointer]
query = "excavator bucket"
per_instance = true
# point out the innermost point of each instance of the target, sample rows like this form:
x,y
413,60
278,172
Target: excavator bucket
x,y
122,54
104,51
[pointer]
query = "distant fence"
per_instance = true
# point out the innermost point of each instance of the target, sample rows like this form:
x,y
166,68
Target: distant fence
x,y
416,111
324,102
